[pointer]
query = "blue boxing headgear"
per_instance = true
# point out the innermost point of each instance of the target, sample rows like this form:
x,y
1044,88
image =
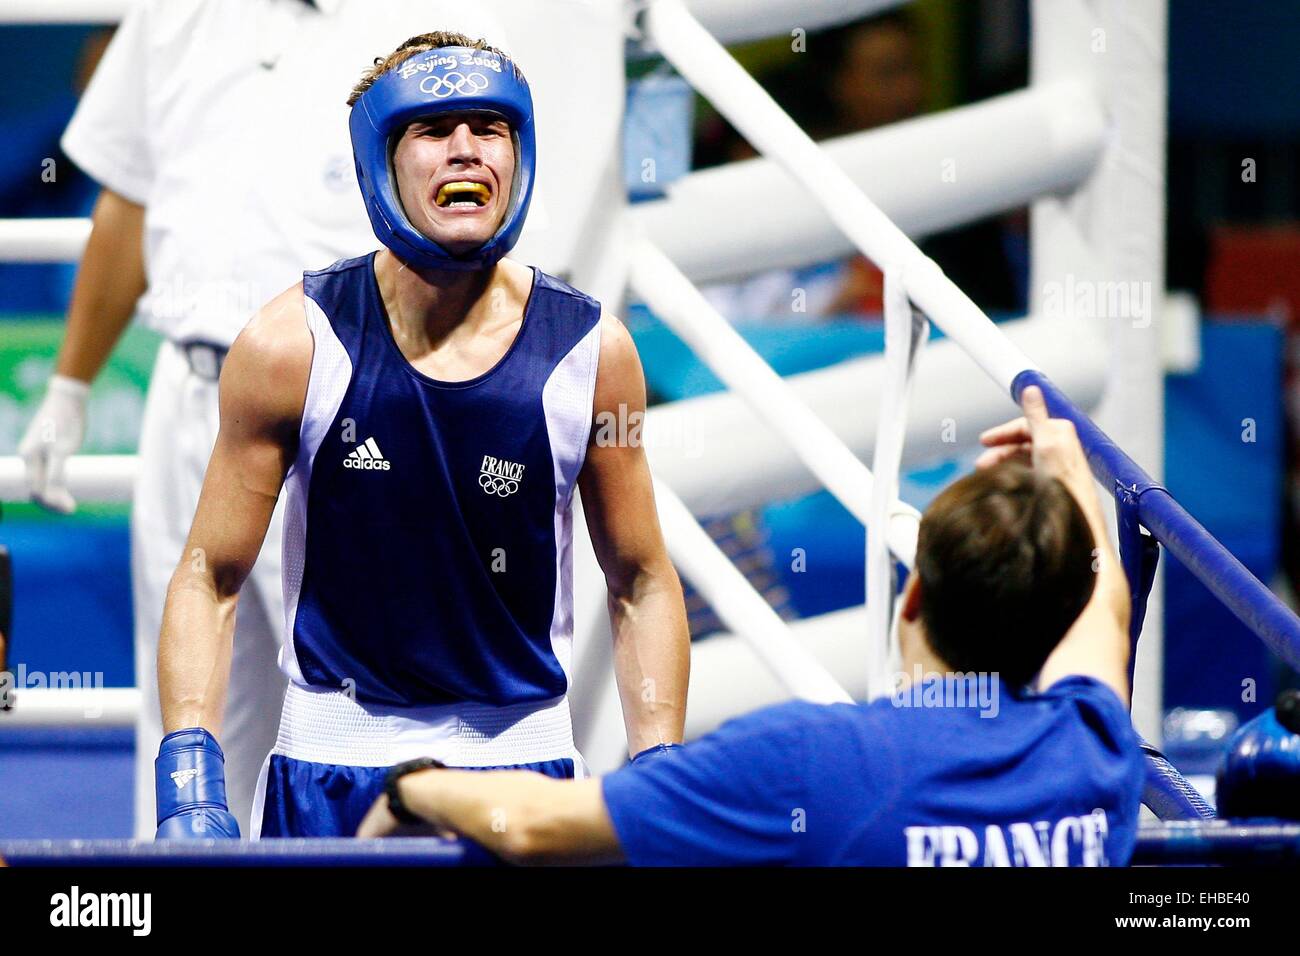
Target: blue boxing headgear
x,y
445,80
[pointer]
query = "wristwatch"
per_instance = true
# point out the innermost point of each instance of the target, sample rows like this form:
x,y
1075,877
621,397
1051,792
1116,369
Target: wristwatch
x,y
395,805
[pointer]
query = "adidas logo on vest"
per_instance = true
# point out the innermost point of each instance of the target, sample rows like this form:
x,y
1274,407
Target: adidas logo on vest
x,y
367,457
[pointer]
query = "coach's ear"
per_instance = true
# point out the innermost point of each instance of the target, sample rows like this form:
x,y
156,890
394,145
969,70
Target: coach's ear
x,y
910,608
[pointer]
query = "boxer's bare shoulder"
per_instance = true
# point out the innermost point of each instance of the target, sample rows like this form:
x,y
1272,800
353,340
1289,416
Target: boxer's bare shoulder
x,y
264,379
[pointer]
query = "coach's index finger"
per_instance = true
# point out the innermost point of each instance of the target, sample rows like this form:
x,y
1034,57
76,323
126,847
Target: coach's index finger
x,y
1031,400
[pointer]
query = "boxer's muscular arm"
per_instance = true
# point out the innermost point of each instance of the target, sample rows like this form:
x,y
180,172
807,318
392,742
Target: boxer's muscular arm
x,y
646,611
263,388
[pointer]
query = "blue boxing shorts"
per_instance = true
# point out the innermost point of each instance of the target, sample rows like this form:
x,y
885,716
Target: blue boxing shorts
x,y
332,754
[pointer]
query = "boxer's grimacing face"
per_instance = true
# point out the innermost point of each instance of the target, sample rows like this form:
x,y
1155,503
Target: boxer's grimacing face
x,y
454,173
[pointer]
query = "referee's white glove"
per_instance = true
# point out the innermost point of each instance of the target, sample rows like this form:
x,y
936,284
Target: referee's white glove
x,y
55,434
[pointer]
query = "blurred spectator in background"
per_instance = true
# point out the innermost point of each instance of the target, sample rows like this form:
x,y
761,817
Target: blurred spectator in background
x,y
37,180
873,75
854,78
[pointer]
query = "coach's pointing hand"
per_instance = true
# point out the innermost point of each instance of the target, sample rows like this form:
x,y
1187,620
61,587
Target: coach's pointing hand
x,y
1051,445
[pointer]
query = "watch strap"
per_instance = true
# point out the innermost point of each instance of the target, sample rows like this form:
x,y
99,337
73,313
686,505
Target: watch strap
x,y
395,805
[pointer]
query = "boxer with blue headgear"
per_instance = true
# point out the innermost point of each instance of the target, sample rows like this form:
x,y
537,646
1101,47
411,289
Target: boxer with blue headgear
x,y
429,85
429,410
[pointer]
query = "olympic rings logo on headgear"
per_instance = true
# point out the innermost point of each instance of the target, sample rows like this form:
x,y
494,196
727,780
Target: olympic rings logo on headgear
x,y
501,487
443,86
449,78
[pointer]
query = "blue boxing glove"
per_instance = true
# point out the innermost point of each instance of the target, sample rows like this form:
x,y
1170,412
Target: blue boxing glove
x,y
190,786
651,754
1260,776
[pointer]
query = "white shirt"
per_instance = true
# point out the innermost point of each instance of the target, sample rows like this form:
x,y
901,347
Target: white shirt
x,y
228,121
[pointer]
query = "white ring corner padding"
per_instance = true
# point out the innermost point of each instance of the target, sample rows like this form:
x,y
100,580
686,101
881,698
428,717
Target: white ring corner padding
x,y
732,21
63,11
81,707
106,479
43,240
677,433
740,21
999,154
718,223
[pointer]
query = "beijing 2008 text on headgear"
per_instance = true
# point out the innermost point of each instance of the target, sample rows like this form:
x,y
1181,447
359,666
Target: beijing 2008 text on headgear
x,y
449,79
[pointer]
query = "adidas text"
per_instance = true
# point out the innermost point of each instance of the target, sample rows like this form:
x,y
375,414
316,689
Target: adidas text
x,y
367,457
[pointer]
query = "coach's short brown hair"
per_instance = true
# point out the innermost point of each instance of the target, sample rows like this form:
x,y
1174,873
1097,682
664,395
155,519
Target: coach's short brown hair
x,y
1005,558
422,44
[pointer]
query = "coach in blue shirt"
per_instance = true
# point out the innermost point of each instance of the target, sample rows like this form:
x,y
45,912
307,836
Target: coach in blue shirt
x,y
1006,742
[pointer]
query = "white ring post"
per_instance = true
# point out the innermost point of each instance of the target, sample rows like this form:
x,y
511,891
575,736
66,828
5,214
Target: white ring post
x,y
1106,240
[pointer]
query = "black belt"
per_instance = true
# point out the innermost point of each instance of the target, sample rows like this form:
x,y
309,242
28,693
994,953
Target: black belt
x,y
205,358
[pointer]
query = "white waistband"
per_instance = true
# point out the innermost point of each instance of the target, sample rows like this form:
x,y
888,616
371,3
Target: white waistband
x,y
327,726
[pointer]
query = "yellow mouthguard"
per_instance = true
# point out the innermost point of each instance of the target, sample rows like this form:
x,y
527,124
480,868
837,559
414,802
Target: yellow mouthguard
x,y
463,190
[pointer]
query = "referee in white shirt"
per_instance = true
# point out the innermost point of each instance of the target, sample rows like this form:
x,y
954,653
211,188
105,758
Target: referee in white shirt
x,y
218,131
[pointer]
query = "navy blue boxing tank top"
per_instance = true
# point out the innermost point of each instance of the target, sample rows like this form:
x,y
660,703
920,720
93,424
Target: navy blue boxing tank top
x,y
427,525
